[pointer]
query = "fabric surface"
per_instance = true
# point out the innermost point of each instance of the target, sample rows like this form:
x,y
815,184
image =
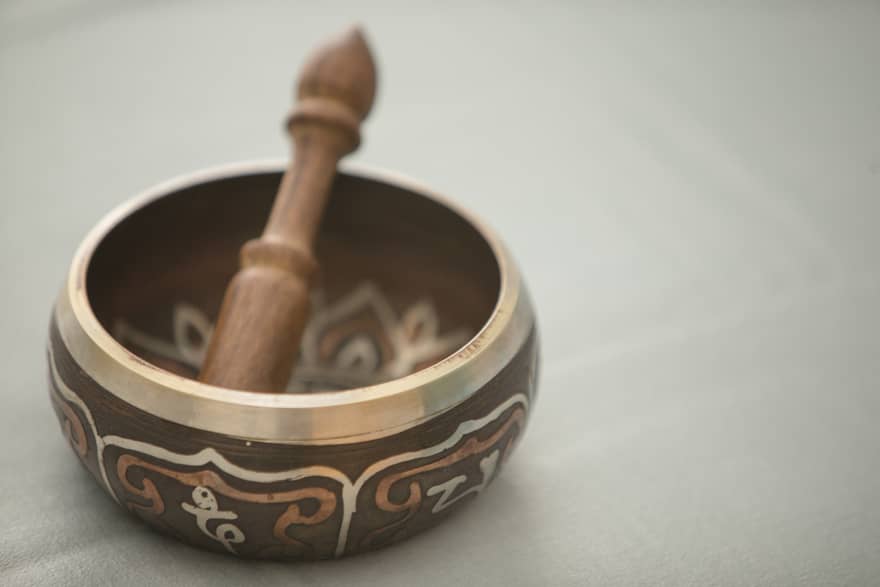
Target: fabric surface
x,y
691,190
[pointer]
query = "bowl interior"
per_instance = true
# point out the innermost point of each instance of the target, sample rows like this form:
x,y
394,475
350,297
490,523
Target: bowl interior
x,y
405,281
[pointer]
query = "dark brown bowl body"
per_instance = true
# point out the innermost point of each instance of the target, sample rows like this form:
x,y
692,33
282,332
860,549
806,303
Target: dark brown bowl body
x,y
416,374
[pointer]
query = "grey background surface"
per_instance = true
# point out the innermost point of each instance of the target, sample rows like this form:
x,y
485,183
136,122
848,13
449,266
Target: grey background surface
x,y
691,189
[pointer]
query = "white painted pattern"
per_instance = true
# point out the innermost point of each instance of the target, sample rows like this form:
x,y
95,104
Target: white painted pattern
x,y
206,510
414,338
447,488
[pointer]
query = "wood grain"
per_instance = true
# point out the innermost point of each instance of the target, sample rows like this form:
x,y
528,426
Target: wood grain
x,y
266,305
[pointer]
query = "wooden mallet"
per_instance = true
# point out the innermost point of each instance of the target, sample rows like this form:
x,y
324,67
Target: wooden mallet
x,y
266,305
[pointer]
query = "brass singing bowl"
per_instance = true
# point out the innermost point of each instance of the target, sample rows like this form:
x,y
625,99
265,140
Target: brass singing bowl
x,y
414,381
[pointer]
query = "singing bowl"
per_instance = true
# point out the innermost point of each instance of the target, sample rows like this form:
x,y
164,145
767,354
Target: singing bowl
x,y
414,381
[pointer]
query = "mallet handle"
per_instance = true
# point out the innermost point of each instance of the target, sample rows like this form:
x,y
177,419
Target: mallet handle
x,y
266,304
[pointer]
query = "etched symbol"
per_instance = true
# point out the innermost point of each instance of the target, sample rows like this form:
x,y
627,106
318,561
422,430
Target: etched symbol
x,y
446,489
206,510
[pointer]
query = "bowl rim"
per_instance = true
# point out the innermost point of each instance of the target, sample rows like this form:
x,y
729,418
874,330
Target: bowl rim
x,y
329,417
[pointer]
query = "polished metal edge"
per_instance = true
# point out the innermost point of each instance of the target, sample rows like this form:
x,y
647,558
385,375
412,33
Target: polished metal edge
x,y
335,417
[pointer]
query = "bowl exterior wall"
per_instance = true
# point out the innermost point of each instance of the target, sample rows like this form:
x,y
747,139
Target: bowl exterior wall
x,y
291,501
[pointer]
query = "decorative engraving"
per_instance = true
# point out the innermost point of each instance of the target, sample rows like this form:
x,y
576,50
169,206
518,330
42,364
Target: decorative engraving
x,y
412,502
210,474
292,516
204,479
357,340
59,387
447,489
73,428
147,490
470,429
206,510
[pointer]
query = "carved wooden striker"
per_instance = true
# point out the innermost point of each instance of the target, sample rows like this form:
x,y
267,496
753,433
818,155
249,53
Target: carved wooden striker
x,y
264,310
